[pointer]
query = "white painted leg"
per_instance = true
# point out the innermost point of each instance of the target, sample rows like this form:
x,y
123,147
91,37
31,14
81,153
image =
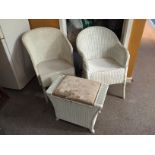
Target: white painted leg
x,y
44,91
92,130
124,90
45,95
93,122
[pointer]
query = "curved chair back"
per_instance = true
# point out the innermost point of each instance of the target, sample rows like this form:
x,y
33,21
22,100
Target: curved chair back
x,y
44,44
94,42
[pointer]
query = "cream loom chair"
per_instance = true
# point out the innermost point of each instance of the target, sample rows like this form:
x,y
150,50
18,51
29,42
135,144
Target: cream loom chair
x,y
104,57
50,52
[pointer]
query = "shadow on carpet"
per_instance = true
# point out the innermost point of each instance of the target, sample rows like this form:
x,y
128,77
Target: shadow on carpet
x,y
3,98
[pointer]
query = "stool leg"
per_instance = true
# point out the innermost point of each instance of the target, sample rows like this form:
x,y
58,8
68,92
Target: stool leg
x,y
92,130
93,122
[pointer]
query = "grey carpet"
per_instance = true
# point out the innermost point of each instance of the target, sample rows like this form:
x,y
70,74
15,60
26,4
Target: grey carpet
x,y
27,113
3,98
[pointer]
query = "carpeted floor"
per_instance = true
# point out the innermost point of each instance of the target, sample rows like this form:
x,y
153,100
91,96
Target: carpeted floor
x,y
3,98
27,113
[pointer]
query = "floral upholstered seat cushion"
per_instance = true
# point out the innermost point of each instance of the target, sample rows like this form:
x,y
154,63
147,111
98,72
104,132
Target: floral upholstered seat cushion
x,y
78,89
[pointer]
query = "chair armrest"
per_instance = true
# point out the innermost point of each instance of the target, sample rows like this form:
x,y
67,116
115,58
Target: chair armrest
x,y
67,51
84,58
84,64
83,54
120,54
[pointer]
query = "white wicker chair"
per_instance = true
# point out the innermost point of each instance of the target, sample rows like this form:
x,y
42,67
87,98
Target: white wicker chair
x,y
104,58
50,52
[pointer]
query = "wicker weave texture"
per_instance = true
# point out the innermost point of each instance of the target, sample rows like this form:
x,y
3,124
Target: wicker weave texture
x,y
45,45
96,43
76,112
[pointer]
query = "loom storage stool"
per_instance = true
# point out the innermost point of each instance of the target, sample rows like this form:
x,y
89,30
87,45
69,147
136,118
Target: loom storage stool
x,y
77,100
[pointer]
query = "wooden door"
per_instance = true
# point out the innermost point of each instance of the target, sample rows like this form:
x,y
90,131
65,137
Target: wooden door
x,y
134,42
34,23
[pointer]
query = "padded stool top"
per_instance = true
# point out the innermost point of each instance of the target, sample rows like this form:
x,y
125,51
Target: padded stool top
x,y
78,89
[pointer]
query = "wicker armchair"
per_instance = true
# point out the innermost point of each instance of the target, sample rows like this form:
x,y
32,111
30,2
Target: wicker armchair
x,y
104,58
50,52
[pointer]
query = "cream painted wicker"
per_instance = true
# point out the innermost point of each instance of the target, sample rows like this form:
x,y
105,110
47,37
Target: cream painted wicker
x,y
75,112
50,52
104,58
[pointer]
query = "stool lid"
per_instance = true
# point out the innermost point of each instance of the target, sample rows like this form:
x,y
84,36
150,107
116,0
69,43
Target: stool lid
x,y
78,89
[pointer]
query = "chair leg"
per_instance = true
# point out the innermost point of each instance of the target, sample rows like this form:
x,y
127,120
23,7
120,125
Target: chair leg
x,y
43,89
45,95
124,90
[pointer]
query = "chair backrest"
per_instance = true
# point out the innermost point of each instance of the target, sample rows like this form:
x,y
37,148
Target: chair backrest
x,y
43,44
95,41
